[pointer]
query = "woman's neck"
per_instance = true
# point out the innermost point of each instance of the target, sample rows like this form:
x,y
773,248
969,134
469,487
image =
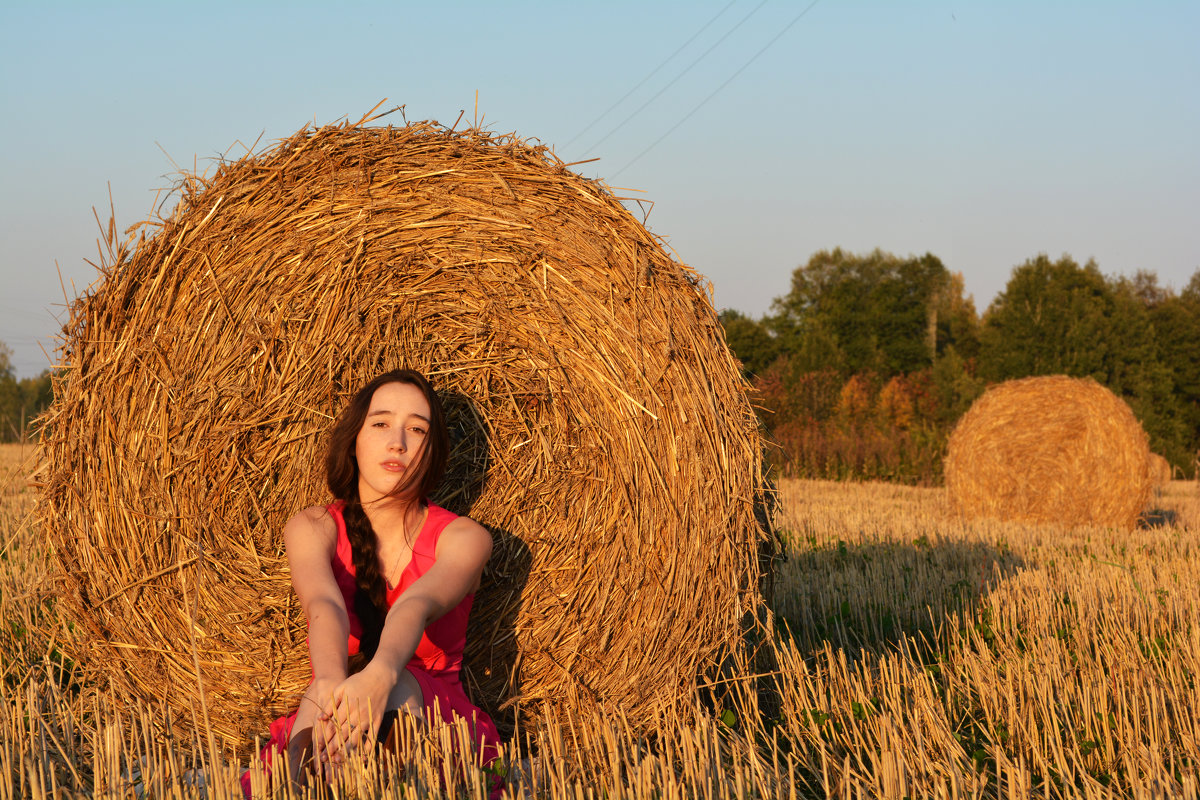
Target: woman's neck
x,y
393,517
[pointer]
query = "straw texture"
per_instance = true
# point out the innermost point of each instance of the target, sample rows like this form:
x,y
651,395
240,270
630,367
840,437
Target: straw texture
x,y
599,424
1160,470
1051,449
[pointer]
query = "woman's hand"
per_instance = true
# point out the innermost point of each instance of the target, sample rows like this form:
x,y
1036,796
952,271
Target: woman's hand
x,y
352,713
303,749
320,692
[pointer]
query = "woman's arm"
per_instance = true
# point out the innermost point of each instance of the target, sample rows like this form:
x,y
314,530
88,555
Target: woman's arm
x,y
462,551
310,538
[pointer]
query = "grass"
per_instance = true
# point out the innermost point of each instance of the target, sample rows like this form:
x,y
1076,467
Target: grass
x,y
912,655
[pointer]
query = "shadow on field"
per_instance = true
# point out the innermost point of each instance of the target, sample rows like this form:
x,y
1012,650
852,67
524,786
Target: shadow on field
x,y
1157,518
867,597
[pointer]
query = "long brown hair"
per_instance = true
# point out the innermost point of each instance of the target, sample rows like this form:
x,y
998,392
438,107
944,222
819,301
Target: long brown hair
x,y
341,474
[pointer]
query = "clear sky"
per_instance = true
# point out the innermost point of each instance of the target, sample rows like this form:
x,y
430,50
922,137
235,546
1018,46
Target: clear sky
x,y
983,132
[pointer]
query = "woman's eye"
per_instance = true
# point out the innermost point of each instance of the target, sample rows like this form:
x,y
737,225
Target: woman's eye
x,y
418,430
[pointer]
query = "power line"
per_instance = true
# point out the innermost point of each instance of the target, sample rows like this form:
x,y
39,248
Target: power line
x,y
653,72
714,92
686,70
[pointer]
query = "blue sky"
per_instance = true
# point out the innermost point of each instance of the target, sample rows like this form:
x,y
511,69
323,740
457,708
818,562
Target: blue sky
x,y
983,132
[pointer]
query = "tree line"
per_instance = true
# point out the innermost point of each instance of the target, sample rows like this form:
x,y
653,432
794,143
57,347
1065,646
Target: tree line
x,y
863,368
21,401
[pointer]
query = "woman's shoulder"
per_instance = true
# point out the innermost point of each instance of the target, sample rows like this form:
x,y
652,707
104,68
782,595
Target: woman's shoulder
x,y
444,520
463,523
466,531
314,522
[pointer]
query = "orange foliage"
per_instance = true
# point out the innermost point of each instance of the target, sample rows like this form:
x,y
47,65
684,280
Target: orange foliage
x,y
855,398
895,403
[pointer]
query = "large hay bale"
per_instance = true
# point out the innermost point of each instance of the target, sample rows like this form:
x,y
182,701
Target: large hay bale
x,y
600,427
1160,470
1051,449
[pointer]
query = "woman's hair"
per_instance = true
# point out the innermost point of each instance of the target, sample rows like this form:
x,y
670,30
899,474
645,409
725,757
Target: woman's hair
x,y
341,474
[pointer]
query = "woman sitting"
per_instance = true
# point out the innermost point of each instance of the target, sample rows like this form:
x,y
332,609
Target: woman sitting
x,y
386,580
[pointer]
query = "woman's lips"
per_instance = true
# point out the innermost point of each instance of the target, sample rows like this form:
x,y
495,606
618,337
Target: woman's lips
x,y
393,466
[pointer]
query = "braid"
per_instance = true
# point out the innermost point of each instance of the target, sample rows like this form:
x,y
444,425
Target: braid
x,y
370,601
341,473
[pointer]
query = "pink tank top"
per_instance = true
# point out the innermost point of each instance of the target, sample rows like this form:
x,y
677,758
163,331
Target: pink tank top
x,y
440,650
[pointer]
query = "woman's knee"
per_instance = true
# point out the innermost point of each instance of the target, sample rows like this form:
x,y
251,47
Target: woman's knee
x,y
406,695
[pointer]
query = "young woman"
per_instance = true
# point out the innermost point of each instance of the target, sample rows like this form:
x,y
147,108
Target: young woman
x,y
386,581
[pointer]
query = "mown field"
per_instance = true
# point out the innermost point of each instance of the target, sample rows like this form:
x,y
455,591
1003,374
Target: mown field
x,y
910,655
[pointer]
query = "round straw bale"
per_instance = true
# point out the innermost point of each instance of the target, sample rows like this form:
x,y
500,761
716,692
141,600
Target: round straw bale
x,y
1160,470
1053,450
599,425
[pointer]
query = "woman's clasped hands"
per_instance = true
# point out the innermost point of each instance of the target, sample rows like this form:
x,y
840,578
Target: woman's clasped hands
x,y
351,712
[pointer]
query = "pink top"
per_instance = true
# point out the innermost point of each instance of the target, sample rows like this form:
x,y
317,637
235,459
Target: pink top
x,y
440,650
438,658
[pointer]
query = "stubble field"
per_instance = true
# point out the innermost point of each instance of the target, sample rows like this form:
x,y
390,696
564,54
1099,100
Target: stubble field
x,y
910,655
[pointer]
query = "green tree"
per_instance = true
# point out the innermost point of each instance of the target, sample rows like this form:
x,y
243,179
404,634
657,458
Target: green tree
x,y
1176,321
751,341
21,401
37,394
957,321
874,312
1144,286
1191,292
10,397
1138,370
955,388
1051,318
1056,317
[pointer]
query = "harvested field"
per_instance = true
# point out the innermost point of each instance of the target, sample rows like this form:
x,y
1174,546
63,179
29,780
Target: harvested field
x,y
917,655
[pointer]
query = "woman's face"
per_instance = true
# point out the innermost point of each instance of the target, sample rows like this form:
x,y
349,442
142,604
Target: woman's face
x,y
391,439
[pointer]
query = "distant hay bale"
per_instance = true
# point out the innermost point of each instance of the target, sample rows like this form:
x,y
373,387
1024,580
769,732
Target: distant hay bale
x,y
1160,470
1050,450
600,426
